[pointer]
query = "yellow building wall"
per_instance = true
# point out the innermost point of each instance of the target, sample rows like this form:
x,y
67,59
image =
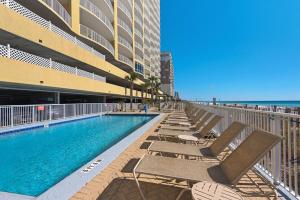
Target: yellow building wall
x,y
31,31
31,75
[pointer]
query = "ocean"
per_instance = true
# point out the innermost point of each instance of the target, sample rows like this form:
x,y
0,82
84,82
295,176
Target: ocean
x,y
264,103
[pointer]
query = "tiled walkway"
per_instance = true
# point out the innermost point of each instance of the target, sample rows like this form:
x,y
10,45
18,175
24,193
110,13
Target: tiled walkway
x,y
116,181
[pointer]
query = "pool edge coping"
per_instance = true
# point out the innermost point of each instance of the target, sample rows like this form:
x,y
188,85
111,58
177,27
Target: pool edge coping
x,y
72,183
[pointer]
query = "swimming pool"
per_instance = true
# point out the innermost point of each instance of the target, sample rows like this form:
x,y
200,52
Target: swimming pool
x,y
34,160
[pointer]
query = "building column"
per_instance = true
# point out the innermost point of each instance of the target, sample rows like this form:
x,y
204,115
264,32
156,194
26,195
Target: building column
x,y
57,97
75,16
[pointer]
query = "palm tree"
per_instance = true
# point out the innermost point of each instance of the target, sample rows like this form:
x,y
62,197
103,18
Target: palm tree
x,y
156,88
152,80
131,78
145,88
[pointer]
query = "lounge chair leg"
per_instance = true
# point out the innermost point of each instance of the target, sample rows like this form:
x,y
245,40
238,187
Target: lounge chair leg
x,y
181,193
138,185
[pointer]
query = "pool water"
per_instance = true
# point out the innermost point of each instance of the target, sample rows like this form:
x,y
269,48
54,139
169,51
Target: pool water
x,y
32,161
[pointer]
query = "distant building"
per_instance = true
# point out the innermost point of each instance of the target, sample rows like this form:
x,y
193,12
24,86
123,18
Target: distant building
x,y
177,96
167,73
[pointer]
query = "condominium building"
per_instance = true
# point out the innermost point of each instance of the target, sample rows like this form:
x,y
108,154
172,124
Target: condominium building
x,y
167,73
60,51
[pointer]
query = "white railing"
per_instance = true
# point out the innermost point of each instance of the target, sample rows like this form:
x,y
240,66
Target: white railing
x,y
48,25
98,13
108,2
138,33
60,10
138,8
125,10
126,60
125,43
139,22
93,35
124,26
138,58
16,115
11,53
281,163
139,46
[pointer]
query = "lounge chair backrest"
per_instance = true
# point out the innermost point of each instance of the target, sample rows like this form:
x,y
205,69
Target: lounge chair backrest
x,y
203,120
193,111
247,154
211,124
226,137
198,116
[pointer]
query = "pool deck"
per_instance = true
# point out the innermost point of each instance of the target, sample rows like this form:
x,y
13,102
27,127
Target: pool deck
x,y
116,181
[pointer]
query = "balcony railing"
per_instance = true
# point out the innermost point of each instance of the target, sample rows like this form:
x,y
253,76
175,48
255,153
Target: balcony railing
x,y
281,165
96,37
125,43
138,8
18,115
98,13
124,26
139,22
48,25
11,53
125,10
59,9
138,58
138,33
139,46
108,2
126,60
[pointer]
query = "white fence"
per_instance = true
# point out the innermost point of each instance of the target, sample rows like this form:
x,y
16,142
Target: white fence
x,y
11,4
282,163
7,51
11,116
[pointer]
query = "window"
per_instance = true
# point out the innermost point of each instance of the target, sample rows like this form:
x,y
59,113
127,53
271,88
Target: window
x,y
139,68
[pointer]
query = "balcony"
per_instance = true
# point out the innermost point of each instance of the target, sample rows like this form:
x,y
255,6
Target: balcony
x,y
139,48
125,60
11,53
138,11
125,47
139,23
139,34
92,16
139,58
125,30
56,6
11,4
125,14
96,37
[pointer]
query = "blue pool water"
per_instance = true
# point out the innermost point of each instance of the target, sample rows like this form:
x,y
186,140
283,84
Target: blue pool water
x,y
32,161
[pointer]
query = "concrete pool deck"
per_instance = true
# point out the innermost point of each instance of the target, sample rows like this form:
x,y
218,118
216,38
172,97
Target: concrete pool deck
x,y
116,181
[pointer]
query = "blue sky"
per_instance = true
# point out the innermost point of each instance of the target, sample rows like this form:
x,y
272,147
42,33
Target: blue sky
x,y
233,49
